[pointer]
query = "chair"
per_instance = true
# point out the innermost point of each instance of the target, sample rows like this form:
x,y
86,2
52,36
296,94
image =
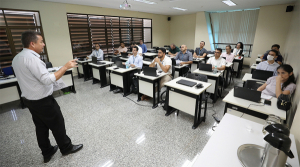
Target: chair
x,y
115,59
252,84
48,65
191,50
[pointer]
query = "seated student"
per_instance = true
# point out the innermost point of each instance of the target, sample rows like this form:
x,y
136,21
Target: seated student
x,y
278,59
174,50
217,60
97,53
163,64
135,60
270,64
184,56
121,49
228,55
140,50
284,83
200,52
238,50
143,46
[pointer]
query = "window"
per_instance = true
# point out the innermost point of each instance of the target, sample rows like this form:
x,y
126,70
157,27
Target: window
x,y
12,24
108,31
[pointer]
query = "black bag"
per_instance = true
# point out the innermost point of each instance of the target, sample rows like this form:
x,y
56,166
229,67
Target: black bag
x,y
284,102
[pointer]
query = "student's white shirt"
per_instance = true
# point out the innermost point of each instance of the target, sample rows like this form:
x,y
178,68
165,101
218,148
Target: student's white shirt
x,y
216,62
97,53
166,61
236,51
120,49
140,50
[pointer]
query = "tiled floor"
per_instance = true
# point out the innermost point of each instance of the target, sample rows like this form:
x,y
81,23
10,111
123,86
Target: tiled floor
x,y
114,131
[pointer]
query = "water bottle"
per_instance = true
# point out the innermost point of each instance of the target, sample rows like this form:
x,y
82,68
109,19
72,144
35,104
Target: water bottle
x,y
215,69
127,64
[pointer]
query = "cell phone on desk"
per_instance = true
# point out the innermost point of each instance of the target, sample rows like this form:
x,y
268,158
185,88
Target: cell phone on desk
x,y
268,102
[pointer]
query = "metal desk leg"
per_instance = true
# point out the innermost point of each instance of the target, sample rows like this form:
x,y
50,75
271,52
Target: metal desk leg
x,y
225,110
226,79
197,113
73,86
216,90
169,109
103,79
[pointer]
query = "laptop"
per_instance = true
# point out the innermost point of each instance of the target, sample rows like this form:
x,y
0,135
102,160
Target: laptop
x,y
247,94
95,61
262,74
150,71
186,83
124,55
205,67
119,64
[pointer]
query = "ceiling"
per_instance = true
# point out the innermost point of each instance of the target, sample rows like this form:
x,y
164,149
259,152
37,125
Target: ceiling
x,y
165,6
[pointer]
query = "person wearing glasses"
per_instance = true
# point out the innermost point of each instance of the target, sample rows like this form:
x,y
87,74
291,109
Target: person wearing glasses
x,y
217,61
96,53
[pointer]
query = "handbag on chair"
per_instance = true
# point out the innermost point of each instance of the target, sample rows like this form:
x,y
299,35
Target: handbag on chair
x,y
284,102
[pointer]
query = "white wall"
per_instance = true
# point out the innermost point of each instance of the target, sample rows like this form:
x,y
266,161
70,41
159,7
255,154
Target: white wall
x,y
55,25
292,50
272,28
201,31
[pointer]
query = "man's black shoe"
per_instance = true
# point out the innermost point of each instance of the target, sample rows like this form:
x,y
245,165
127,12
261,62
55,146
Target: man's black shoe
x,y
74,149
48,158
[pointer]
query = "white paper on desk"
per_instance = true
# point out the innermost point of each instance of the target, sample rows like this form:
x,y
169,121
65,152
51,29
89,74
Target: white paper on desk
x,y
59,84
178,62
264,96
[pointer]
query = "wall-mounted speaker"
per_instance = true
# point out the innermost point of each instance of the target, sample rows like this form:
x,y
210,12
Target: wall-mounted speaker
x,y
289,8
169,18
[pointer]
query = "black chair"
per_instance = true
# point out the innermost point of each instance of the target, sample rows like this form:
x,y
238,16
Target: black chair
x,y
48,65
252,84
173,71
173,62
115,59
191,50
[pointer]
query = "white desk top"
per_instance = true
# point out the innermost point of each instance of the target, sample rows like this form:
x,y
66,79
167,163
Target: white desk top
x,y
208,73
253,66
188,89
151,49
248,76
258,59
228,64
10,78
84,61
122,58
147,62
238,58
150,77
210,55
265,109
150,54
120,70
99,65
198,59
231,133
179,67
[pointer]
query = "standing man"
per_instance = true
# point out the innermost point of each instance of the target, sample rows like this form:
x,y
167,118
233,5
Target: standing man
x,y
97,53
200,52
121,49
174,50
143,46
163,64
270,64
36,84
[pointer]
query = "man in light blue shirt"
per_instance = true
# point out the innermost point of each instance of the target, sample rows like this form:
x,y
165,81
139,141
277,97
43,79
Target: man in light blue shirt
x,y
270,64
143,46
96,53
135,60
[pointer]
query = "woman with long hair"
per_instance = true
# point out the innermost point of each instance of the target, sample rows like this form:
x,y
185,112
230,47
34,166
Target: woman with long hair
x,y
238,50
283,83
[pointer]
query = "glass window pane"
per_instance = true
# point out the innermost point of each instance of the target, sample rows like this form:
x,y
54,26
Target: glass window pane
x,y
77,20
125,22
97,21
80,42
126,35
112,21
5,51
147,35
22,18
2,21
147,22
137,22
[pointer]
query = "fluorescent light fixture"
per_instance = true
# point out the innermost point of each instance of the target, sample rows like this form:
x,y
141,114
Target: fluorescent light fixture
x,y
179,9
145,1
229,3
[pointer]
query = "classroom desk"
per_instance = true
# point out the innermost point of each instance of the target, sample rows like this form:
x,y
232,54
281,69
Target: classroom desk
x,y
10,90
248,76
83,69
146,63
67,77
213,79
240,62
110,56
231,133
180,68
151,50
120,78
228,68
195,64
99,73
186,99
253,67
258,110
258,60
147,86
150,55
